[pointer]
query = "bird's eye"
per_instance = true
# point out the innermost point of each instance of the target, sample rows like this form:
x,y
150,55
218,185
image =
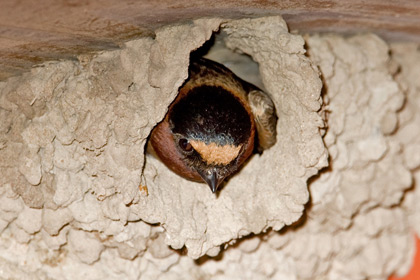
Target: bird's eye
x,y
185,145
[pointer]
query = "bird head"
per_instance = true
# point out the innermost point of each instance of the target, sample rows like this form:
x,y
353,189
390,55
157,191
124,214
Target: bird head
x,y
212,132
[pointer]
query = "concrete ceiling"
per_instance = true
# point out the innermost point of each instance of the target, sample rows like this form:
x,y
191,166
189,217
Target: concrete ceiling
x,y
32,32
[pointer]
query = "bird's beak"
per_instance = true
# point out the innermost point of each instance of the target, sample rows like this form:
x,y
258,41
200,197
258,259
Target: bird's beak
x,y
211,177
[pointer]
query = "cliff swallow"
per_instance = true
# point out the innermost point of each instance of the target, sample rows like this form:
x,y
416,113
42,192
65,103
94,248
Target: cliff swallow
x,y
214,124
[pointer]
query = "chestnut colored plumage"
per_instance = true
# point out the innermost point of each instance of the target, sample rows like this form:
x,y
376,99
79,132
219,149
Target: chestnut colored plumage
x,y
214,124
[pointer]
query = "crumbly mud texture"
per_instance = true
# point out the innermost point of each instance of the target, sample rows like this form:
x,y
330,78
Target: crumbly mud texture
x,y
80,200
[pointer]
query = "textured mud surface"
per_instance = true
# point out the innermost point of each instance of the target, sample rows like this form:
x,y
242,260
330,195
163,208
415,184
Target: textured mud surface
x,y
74,203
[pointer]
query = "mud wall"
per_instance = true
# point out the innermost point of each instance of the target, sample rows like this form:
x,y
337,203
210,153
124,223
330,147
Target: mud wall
x,y
334,197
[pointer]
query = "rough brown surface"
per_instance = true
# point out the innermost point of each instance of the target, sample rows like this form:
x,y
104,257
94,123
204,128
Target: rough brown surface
x,y
72,143
32,32
74,203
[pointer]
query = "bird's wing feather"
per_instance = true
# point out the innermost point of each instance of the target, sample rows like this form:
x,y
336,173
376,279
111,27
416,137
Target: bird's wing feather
x,y
265,118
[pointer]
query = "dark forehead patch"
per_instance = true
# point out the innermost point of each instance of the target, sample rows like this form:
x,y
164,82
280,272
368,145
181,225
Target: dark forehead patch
x,y
211,114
